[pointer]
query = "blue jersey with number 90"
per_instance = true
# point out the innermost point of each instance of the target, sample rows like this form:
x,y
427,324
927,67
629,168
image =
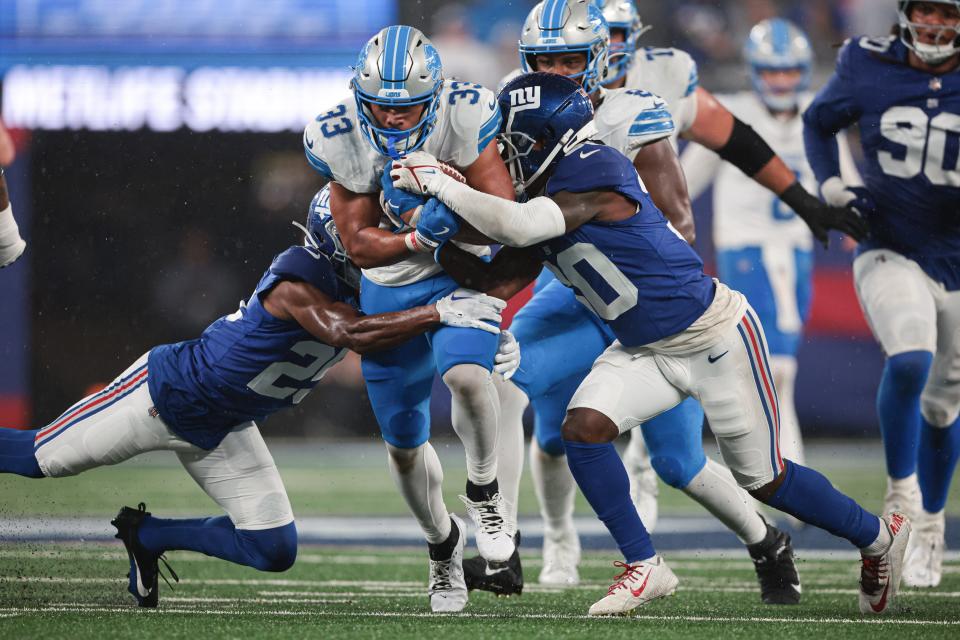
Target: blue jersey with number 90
x,y
246,365
910,133
638,274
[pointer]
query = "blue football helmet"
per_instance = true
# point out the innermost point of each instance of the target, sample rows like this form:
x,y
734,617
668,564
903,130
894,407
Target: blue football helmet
x,y
322,236
398,67
567,26
945,47
622,15
542,110
778,45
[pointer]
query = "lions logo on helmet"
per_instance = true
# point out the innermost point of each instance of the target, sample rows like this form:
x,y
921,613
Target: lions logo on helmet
x,y
567,26
545,110
948,35
398,67
322,237
778,45
621,15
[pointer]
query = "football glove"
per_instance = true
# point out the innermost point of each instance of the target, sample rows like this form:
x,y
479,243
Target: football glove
x,y
471,309
436,224
837,194
507,360
821,218
418,172
395,202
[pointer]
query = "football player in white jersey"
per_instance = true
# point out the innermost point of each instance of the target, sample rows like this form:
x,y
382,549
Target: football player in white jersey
x,y
401,103
561,339
763,249
700,117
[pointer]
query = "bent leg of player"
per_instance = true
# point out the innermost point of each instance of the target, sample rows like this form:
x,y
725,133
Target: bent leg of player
x,y
898,302
622,390
939,447
740,400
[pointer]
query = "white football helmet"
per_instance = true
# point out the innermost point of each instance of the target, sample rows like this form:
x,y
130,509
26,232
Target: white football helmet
x,y
778,45
622,14
567,26
946,46
398,67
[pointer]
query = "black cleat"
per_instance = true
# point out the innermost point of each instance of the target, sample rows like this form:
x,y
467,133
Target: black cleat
x,y
501,578
144,567
776,570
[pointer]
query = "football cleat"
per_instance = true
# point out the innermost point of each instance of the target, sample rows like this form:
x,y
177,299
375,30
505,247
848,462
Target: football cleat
x,y
880,575
923,564
446,586
493,541
903,496
144,565
561,555
640,583
776,570
501,578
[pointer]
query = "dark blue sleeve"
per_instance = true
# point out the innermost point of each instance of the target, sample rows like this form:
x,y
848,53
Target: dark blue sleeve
x,y
835,107
302,264
592,168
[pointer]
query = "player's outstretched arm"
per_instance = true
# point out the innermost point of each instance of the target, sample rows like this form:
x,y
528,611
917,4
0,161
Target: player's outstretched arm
x,y
503,277
341,325
659,167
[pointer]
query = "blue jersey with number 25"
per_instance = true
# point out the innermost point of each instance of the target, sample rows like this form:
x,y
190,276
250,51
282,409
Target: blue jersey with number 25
x,y
246,365
638,274
910,133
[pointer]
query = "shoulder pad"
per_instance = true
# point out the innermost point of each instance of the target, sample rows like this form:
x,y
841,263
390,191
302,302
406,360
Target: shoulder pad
x,y
336,149
628,119
591,167
473,118
303,264
675,66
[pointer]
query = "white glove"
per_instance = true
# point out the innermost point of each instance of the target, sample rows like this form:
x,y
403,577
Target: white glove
x,y
418,172
507,360
11,244
472,309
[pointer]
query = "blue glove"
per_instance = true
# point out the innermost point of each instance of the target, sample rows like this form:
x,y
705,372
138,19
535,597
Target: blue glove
x,y
396,201
437,224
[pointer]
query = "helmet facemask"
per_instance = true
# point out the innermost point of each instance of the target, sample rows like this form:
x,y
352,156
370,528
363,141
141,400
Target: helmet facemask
x,y
947,41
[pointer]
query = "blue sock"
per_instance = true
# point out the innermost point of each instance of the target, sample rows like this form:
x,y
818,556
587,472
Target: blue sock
x,y
937,459
602,478
265,549
898,405
808,496
17,453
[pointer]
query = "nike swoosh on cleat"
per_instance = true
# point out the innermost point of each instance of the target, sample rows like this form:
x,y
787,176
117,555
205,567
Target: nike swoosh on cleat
x,y
880,606
142,590
586,154
487,571
636,592
711,360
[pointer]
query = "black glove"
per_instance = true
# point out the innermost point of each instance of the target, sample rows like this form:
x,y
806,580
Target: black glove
x,y
822,217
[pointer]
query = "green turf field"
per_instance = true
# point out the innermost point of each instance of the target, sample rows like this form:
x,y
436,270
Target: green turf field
x,y
78,591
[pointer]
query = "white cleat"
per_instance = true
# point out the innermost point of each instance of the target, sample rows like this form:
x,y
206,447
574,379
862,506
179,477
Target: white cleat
x,y
494,543
639,584
561,555
923,565
447,587
880,575
903,496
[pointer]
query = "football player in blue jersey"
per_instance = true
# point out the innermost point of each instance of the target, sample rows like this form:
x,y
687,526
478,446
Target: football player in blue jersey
x,y
402,103
679,333
201,398
904,90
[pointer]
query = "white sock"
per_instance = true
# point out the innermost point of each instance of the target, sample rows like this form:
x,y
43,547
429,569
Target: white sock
x,y
513,401
881,544
475,413
555,488
906,485
636,457
419,477
784,369
715,489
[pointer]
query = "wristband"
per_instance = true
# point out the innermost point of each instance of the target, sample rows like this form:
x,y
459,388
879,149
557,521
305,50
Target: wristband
x,y
413,245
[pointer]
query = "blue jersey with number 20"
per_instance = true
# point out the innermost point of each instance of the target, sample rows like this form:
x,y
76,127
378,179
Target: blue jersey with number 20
x,y
638,274
246,365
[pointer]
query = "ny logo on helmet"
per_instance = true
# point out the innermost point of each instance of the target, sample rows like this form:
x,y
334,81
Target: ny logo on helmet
x,y
525,97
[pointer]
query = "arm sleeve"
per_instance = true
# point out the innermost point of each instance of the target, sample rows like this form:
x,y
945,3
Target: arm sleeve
x,y
510,223
833,109
700,166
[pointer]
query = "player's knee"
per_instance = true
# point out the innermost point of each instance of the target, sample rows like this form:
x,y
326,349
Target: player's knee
x,y
939,412
271,549
467,381
403,459
588,426
677,471
908,371
551,443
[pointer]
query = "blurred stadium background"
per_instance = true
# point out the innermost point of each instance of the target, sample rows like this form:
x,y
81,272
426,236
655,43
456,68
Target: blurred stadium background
x,y
159,166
